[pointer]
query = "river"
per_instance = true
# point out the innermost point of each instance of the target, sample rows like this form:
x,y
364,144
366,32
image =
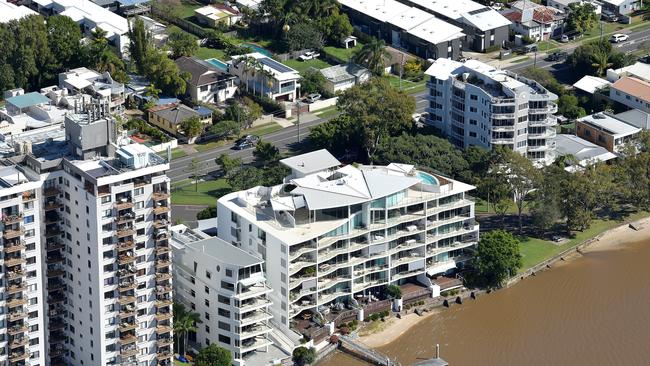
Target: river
x,y
594,310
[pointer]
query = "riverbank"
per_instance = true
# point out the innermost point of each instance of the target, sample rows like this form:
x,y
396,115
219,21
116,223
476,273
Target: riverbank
x,y
610,239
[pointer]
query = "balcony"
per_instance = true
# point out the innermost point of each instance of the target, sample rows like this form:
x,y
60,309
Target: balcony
x,y
18,342
163,276
18,356
14,246
160,210
56,325
127,285
163,263
13,233
12,219
126,259
14,288
54,299
163,301
12,303
125,272
55,245
162,249
254,317
254,330
123,300
56,231
160,316
55,258
15,315
124,204
55,272
160,290
52,205
129,351
164,341
17,329
17,273
160,226
127,245
160,195
127,325
128,231
128,338
127,311
163,328
164,355
14,261
123,219
51,191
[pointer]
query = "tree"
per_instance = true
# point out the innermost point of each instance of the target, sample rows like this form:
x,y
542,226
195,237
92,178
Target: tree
x,y
592,58
304,356
184,323
568,107
245,178
412,68
139,43
253,111
373,55
207,213
582,17
191,127
335,28
195,169
302,36
337,135
544,77
182,44
522,177
265,153
312,81
600,61
496,258
64,39
378,110
394,292
228,163
226,128
213,355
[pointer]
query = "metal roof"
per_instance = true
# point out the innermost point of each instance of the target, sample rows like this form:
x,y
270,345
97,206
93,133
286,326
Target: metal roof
x,y
311,162
28,100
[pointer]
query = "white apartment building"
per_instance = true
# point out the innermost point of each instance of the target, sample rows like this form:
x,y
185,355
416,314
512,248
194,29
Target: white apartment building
x,y
331,233
22,322
102,216
476,104
227,287
262,75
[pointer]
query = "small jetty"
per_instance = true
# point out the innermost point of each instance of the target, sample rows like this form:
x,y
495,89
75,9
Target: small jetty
x,y
347,345
437,361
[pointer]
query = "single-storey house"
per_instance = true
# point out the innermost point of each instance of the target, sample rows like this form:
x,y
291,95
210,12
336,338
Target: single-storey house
x,y
584,152
341,77
169,117
214,14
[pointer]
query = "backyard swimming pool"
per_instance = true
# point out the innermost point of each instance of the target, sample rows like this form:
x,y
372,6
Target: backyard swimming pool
x,y
428,179
257,48
217,63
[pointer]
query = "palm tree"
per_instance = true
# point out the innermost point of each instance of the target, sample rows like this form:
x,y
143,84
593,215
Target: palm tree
x,y
600,59
373,55
268,80
184,323
255,66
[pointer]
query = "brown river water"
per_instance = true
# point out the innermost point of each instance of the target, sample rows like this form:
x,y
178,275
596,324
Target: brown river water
x,y
594,310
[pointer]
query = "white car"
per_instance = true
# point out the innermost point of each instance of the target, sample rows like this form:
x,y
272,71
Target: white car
x,y
309,56
619,37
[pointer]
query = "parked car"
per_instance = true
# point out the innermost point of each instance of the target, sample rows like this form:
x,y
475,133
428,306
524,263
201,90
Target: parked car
x,y
309,55
246,142
608,16
526,49
569,36
557,56
619,37
311,98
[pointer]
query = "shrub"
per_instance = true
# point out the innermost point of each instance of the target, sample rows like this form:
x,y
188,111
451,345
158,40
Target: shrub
x,y
303,355
407,307
268,105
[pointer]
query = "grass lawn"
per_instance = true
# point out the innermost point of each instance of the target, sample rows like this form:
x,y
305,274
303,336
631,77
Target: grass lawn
x,y
205,53
302,66
526,58
260,130
535,250
342,54
186,8
327,112
545,46
408,86
183,192
481,207
178,153
375,327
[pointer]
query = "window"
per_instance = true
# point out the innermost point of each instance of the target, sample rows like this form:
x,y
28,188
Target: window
x,y
107,213
208,275
28,219
207,290
224,326
207,302
224,299
223,312
207,316
224,339
106,199
207,329
229,273
139,205
138,191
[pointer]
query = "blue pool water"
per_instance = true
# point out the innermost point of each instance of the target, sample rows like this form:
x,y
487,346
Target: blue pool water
x,y
428,179
257,48
217,63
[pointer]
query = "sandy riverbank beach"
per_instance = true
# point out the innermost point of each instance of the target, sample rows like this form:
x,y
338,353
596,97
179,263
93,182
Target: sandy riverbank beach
x,y
611,239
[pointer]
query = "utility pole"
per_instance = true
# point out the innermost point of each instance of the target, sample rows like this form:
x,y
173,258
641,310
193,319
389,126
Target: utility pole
x,y
535,60
298,121
401,70
601,30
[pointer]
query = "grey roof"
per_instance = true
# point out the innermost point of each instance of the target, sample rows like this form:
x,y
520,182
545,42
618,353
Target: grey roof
x,y
202,72
636,117
311,162
339,73
224,252
176,113
610,124
581,149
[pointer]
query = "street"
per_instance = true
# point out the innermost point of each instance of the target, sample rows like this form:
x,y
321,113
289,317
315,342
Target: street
x,y
287,137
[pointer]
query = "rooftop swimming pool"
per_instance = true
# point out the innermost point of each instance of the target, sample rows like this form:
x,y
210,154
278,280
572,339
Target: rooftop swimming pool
x,y
428,179
257,48
217,63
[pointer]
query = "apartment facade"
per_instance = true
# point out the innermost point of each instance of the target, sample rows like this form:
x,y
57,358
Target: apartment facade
x,y
105,259
227,287
262,75
331,233
475,104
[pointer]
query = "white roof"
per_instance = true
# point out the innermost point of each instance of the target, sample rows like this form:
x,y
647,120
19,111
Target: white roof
x,y
9,12
410,18
470,12
590,84
382,10
253,4
436,31
486,19
311,162
89,12
614,2
280,71
639,70
585,152
610,124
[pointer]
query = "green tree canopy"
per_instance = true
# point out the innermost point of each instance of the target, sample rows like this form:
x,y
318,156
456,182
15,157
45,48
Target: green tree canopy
x,y
64,39
182,44
191,127
496,258
304,356
373,55
226,128
305,35
312,81
213,355
228,164
582,17
265,153
335,28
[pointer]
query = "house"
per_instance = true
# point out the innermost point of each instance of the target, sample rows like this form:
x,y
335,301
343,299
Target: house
x,y
169,117
89,16
208,83
215,14
101,86
126,8
636,118
607,130
483,27
638,70
28,111
535,21
9,11
157,30
585,153
591,84
406,27
341,77
260,74
251,4
631,92
563,5
621,7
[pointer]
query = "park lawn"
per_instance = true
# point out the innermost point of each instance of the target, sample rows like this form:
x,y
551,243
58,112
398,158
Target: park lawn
x,y
178,153
535,251
183,193
302,66
340,53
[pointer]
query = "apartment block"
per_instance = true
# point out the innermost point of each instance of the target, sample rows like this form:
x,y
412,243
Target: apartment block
x,y
473,103
101,212
227,287
332,233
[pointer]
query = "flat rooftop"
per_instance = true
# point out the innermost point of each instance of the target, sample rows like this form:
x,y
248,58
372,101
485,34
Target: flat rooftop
x,y
9,11
610,124
214,247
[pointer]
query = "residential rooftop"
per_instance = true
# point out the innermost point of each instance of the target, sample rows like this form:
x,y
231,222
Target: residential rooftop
x,y
634,87
465,11
218,249
611,124
174,113
280,71
590,84
585,152
90,13
9,11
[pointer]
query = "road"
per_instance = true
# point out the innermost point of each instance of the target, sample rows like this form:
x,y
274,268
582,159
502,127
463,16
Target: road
x,y
287,137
